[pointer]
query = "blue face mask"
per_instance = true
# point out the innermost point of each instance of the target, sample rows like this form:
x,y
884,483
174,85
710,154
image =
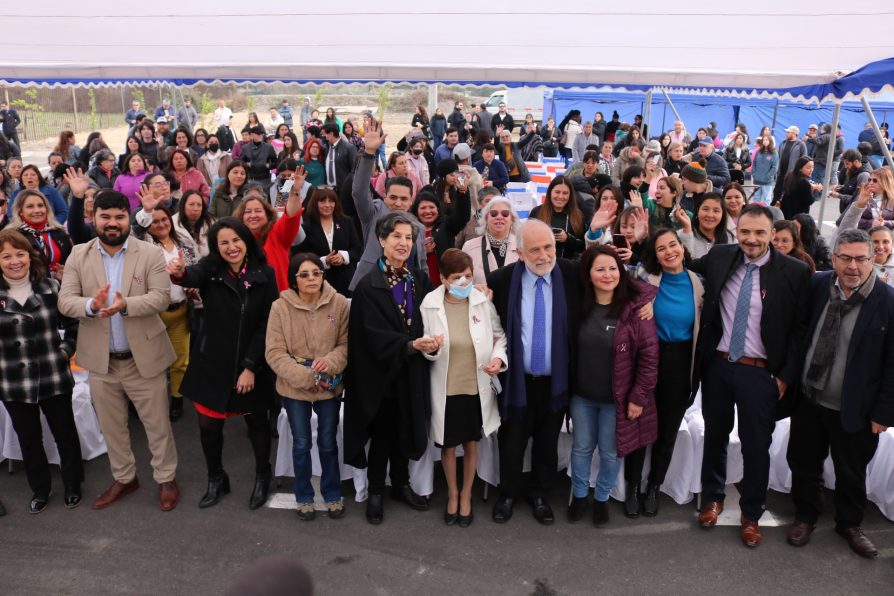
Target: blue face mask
x,y
461,292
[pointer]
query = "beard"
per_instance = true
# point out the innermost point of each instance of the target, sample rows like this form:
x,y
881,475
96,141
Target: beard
x,y
117,240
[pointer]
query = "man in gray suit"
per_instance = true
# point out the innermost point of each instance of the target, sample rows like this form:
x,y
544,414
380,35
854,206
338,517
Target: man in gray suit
x,y
398,197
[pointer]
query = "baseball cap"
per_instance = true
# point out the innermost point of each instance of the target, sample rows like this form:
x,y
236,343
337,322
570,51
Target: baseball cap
x,y
161,119
706,141
462,151
793,129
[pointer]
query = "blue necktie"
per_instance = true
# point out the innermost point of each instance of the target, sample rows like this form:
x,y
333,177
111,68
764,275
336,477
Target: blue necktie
x,y
538,340
740,322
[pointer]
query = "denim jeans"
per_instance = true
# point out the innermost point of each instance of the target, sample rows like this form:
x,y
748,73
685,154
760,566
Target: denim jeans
x,y
594,423
763,194
299,413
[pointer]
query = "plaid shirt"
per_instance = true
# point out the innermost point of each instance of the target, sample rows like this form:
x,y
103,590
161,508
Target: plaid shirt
x,y
34,358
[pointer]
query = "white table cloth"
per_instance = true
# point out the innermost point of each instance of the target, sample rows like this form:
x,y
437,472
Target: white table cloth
x,y
92,443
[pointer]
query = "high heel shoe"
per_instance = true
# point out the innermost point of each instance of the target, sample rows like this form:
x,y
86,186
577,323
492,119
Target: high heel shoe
x,y
261,490
217,487
465,520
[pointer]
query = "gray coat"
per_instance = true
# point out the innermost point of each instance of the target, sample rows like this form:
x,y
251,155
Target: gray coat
x,y
369,211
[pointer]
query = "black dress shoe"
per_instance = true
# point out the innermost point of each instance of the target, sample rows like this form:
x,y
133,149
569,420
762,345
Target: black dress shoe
x,y
72,496
503,510
632,502
260,491
858,541
577,509
451,518
374,512
176,410
600,513
650,502
218,486
2,509
408,495
543,513
38,503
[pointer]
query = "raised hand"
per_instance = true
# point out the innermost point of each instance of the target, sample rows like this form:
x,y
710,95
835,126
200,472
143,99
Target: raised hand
x,y
298,177
147,199
374,137
640,225
77,181
636,199
603,218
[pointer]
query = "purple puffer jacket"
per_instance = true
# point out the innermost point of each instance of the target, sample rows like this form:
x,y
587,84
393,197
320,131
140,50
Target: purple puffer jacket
x,y
635,374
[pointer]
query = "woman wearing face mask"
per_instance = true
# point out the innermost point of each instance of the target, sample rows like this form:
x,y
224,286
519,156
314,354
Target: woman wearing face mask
x,y
307,348
214,162
677,311
614,403
560,212
227,374
331,235
496,245
33,218
440,229
228,195
787,241
29,329
462,396
397,166
416,161
707,229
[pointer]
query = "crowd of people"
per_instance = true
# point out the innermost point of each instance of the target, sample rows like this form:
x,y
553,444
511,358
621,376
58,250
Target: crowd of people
x,y
298,268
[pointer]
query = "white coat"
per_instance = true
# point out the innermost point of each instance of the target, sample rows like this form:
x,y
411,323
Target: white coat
x,y
489,341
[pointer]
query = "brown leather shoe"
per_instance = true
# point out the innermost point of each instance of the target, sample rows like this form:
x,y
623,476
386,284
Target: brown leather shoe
x,y
118,490
168,495
750,532
707,517
858,542
799,533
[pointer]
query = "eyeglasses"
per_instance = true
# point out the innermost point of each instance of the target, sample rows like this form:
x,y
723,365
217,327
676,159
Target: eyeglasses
x,y
848,259
504,213
308,274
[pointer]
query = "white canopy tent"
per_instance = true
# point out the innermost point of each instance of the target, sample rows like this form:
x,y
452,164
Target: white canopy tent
x,y
721,46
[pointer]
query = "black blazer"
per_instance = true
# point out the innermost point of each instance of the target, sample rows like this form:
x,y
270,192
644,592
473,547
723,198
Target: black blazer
x,y
345,157
344,237
785,286
867,394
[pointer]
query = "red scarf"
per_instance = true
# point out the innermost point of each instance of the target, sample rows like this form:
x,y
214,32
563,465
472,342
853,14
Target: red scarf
x,y
41,232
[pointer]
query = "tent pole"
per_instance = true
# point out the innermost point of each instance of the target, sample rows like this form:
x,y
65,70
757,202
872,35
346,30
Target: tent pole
x,y
432,98
878,133
671,104
775,114
830,153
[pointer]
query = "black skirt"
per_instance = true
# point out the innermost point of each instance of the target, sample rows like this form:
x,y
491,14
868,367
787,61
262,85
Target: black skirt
x,y
462,420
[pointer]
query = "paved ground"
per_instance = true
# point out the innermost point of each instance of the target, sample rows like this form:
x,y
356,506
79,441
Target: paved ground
x,y
134,548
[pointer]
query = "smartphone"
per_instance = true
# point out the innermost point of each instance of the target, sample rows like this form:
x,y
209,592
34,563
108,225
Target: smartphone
x,y
620,241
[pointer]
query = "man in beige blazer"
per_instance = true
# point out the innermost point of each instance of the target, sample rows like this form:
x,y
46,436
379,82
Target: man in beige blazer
x,y
116,286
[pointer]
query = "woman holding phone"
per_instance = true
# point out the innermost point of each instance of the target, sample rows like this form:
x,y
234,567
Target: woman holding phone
x,y
561,213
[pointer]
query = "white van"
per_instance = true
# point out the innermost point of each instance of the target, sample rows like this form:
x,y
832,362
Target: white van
x,y
519,101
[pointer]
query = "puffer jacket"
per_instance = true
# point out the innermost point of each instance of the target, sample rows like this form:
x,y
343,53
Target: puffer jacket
x,y
297,331
635,374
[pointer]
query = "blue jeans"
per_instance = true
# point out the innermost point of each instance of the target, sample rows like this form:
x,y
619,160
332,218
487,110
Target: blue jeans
x,y
763,194
594,423
327,424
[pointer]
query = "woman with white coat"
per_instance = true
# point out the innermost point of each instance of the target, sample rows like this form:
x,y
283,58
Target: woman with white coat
x,y
463,398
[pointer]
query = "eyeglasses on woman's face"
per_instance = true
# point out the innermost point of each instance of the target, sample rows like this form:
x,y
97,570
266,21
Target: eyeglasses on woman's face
x,y
316,273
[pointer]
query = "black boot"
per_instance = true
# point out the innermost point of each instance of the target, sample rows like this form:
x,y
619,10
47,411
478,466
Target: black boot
x,y
577,509
374,512
260,491
650,503
600,513
176,410
632,502
218,486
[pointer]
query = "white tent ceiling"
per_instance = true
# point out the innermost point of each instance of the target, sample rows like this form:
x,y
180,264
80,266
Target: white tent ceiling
x,y
756,44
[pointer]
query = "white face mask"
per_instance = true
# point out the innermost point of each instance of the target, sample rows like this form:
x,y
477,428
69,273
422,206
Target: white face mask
x,y
461,288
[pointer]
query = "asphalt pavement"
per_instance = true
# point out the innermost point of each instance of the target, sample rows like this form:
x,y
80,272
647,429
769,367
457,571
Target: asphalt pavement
x,y
134,548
